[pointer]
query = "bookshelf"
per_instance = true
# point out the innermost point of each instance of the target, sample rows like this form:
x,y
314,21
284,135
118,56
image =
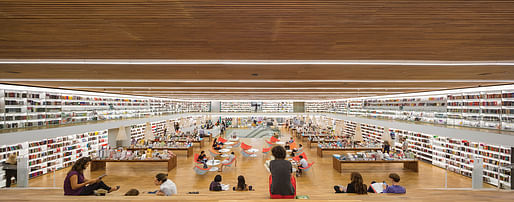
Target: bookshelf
x,y
5,151
22,107
277,106
236,107
316,106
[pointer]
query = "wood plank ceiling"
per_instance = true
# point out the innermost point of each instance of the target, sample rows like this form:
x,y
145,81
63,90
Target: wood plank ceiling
x,y
369,30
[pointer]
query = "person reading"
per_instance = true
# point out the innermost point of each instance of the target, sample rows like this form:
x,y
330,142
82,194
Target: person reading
x,y
167,187
76,184
355,186
395,187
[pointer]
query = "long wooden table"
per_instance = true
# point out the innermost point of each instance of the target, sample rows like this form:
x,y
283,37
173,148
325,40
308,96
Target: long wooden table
x,y
188,149
101,164
320,149
407,164
318,141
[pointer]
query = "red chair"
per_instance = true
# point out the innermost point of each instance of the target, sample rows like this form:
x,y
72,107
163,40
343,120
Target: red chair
x,y
266,150
270,143
245,146
220,139
200,170
196,158
297,158
278,196
293,145
273,139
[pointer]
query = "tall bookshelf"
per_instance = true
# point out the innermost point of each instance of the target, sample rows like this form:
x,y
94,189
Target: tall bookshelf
x,y
316,106
22,107
277,106
236,107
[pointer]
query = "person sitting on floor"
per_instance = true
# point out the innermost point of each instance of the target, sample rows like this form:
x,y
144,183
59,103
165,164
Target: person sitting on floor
x,y
395,187
167,187
241,184
355,186
76,184
216,184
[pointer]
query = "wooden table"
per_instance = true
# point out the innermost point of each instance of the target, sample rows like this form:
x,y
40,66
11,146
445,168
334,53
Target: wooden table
x,y
407,164
194,141
188,149
317,141
101,164
320,150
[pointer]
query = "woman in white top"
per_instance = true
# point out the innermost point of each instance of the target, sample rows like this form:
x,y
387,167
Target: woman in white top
x,y
167,187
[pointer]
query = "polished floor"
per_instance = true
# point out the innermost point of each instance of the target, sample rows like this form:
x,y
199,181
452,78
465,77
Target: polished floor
x,y
317,183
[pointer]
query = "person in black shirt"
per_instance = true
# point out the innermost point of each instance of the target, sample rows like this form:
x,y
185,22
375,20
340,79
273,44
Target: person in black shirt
x,y
281,170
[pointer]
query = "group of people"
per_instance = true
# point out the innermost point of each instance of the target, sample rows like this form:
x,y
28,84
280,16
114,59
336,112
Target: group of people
x,y
357,185
76,184
241,184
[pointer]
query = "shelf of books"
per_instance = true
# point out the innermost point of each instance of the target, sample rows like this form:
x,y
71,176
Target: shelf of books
x,y
137,132
316,106
277,106
5,152
457,155
56,153
236,107
41,106
339,107
485,107
371,133
158,128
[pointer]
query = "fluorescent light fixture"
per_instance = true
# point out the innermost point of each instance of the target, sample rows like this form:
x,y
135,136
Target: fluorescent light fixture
x,y
244,92
250,88
252,81
256,62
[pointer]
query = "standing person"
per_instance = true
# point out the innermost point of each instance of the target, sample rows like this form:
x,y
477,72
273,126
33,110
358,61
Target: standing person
x,y
76,184
386,147
395,187
281,180
355,186
405,145
10,168
167,187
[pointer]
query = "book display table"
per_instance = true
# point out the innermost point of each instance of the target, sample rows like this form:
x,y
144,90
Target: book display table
x,y
101,164
321,149
310,142
188,149
407,164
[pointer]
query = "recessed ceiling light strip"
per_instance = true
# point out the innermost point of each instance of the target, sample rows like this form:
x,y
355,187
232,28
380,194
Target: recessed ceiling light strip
x,y
253,81
256,62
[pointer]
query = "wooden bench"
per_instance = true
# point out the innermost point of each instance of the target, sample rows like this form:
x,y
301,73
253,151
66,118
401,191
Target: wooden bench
x,y
188,149
101,164
320,149
407,164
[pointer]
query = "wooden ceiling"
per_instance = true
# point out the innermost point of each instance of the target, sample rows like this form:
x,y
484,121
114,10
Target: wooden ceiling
x,y
438,30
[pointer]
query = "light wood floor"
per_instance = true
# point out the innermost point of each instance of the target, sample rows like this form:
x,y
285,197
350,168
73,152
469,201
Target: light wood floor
x,y
317,183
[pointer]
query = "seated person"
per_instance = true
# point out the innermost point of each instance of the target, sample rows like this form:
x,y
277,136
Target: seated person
x,y
395,185
167,187
302,164
282,183
76,184
355,186
216,184
241,184
216,145
228,160
202,157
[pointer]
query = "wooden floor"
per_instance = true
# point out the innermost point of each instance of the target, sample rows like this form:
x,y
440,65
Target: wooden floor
x,y
317,183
